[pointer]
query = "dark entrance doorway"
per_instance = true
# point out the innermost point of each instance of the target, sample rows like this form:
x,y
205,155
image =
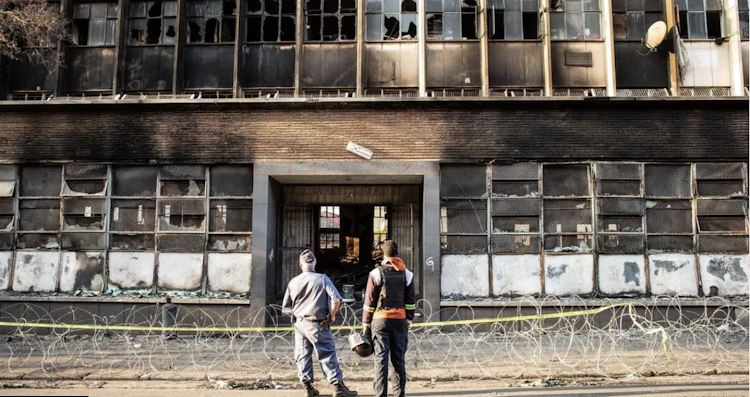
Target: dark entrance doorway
x,y
345,226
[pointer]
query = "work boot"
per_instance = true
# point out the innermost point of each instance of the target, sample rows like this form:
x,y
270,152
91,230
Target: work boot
x,y
340,390
310,390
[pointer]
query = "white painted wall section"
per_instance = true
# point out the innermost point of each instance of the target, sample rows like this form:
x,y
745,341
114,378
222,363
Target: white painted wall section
x,y
6,263
569,274
516,275
709,65
464,275
673,274
180,272
131,270
622,274
36,271
729,273
229,273
82,271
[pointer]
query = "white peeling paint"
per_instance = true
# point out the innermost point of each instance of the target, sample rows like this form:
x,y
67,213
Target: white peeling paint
x,y
729,273
672,274
84,267
36,271
180,272
131,270
622,274
229,272
516,275
6,261
568,274
465,275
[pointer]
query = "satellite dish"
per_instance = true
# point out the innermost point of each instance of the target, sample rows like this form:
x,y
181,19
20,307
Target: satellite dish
x,y
655,35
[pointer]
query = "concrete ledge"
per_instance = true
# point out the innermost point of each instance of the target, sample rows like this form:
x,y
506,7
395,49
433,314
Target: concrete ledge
x,y
110,299
592,302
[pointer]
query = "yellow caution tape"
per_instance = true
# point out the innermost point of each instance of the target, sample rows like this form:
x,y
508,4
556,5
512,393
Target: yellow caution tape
x,y
101,327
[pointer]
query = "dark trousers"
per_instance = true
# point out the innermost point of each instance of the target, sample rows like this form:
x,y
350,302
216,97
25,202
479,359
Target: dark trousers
x,y
390,338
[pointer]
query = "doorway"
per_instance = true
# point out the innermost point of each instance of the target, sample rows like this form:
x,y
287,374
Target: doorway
x,y
345,226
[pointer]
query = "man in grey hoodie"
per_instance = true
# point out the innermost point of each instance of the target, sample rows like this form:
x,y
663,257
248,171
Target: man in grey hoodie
x,y
312,301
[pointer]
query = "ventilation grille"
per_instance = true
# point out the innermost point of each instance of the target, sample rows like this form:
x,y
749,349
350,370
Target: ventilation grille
x,y
391,93
453,93
642,92
705,92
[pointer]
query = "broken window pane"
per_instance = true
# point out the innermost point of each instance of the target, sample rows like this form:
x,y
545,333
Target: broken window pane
x,y
669,216
330,28
463,181
231,216
568,243
83,214
134,181
723,244
521,244
182,215
526,207
38,241
230,243
668,180
133,215
464,216
515,224
181,242
567,216
195,34
463,244
620,244
670,243
40,181
254,28
621,206
566,180
132,242
83,241
39,215
183,188
6,241
7,180
231,181
212,31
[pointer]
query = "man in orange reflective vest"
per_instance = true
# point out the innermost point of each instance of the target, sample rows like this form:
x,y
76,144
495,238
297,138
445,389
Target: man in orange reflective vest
x,y
388,313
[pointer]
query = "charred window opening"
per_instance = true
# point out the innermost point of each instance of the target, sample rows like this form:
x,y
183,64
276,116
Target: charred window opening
x,y
231,211
631,19
516,208
620,208
94,23
463,208
669,211
451,20
744,19
331,20
271,21
567,208
7,206
721,190
152,22
391,20
700,19
181,208
211,21
39,207
575,20
133,208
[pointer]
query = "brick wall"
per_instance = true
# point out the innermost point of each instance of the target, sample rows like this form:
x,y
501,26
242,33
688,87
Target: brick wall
x,y
454,131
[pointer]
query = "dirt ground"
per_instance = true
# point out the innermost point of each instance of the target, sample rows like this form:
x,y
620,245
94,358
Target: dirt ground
x,y
668,386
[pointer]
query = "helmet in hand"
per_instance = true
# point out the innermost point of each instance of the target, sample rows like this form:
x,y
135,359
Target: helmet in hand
x,y
360,344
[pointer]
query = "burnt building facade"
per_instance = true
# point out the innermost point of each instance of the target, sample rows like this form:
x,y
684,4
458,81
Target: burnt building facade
x,y
193,148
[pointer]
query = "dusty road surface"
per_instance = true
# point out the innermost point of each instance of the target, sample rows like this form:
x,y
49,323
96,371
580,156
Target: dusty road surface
x,y
676,386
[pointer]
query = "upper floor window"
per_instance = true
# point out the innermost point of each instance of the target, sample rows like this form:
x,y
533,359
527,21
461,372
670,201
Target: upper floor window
x,y
271,21
331,20
391,20
152,22
631,19
211,21
699,19
452,19
94,23
744,19
513,19
575,20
